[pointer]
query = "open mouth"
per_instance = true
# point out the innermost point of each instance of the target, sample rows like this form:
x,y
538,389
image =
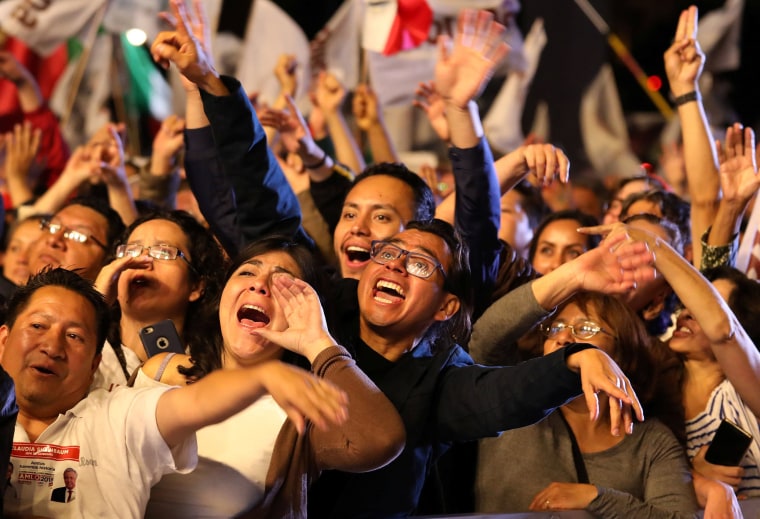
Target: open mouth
x,y
357,254
388,292
251,315
44,371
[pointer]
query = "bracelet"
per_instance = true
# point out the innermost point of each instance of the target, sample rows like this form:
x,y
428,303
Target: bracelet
x,y
687,98
318,164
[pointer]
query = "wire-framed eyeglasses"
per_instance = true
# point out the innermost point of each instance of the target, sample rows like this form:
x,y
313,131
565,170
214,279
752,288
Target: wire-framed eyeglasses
x,y
416,264
159,252
53,227
581,329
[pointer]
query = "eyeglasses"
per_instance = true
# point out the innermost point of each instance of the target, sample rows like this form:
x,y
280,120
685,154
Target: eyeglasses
x,y
70,234
159,252
418,265
581,329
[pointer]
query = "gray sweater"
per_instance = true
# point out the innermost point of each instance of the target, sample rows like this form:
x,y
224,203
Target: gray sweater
x,y
644,476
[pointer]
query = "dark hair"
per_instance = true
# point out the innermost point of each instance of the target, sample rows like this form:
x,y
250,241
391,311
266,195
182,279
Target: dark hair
x,y
424,201
744,299
675,238
12,228
653,180
583,219
208,358
532,202
208,264
659,324
60,277
672,207
115,225
458,282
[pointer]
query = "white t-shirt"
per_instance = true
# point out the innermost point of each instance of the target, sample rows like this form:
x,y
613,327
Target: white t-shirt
x,y
109,373
112,442
233,460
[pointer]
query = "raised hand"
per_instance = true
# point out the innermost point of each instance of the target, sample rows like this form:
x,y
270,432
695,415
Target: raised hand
x,y
739,178
108,154
188,53
434,106
684,59
545,162
285,72
21,146
365,107
600,374
307,332
329,93
291,125
169,140
564,496
461,73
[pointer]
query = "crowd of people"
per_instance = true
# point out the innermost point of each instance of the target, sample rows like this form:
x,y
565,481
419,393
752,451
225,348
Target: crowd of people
x,y
356,340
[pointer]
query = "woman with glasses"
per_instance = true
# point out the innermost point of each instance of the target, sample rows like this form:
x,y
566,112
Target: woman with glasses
x,y
258,461
568,462
167,266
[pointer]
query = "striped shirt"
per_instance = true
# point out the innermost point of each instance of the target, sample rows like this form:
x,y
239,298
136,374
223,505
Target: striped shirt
x,y
726,403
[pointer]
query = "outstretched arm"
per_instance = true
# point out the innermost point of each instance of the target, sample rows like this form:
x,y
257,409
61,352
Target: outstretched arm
x,y
460,75
223,393
738,357
613,267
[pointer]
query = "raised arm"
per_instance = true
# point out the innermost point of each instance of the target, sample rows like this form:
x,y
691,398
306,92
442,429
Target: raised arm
x,y
368,115
329,96
739,182
21,147
461,74
263,201
683,65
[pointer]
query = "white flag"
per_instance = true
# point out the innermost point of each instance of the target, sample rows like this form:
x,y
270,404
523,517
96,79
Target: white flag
x,y
43,26
271,32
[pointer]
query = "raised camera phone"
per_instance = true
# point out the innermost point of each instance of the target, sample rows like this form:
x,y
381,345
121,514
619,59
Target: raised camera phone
x,y
161,337
729,445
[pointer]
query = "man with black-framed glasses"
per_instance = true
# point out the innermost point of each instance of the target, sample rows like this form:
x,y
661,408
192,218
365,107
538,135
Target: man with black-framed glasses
x,y
77,237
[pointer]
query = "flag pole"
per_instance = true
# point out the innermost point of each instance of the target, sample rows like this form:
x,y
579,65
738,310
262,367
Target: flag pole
x,y
625,56
84,59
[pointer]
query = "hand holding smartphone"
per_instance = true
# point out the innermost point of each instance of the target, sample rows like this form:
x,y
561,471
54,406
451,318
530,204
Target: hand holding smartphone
x,y
729,445
161,337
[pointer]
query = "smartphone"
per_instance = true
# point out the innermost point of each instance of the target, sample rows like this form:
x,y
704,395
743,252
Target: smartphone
x,y
161,337
729,445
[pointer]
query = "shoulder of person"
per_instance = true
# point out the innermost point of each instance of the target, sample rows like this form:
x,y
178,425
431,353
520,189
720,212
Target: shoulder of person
x,y
163,368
